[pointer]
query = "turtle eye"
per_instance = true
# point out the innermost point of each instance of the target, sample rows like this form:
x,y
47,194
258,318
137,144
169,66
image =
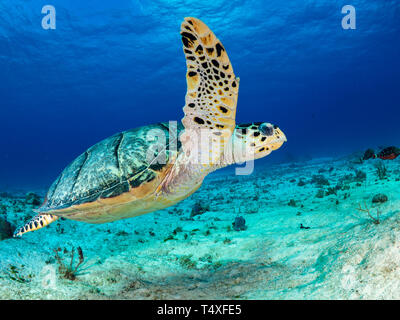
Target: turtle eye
x,y
266,129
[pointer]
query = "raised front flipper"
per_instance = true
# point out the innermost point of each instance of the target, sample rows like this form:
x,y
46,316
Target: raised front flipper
x,y
212,88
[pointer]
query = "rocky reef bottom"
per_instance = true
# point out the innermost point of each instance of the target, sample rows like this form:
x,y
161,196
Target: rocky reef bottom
x,y
322,229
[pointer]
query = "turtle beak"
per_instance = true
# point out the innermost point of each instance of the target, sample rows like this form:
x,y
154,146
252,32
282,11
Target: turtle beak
x,y
280,139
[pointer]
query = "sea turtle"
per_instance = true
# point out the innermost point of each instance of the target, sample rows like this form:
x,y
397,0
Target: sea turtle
x,y
116,179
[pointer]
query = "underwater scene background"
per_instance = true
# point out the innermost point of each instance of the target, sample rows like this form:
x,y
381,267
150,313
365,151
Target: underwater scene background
x,y
314,221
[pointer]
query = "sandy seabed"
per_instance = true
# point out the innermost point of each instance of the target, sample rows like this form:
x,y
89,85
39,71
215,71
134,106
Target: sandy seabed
x,y
305,239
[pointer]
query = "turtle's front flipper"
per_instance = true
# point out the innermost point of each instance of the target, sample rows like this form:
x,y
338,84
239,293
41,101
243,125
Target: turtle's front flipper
x,y
37,222
212,88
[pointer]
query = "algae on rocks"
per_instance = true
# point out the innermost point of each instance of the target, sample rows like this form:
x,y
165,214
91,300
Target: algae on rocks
x,y
6,229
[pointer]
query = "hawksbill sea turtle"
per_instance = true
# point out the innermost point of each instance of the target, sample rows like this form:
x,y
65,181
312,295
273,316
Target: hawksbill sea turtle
x,y
115,179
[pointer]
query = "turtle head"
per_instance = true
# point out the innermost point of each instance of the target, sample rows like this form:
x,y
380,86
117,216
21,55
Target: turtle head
x,y
256,140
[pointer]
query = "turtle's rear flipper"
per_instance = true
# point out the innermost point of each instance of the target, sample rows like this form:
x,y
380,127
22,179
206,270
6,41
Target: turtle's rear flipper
x,y
37,222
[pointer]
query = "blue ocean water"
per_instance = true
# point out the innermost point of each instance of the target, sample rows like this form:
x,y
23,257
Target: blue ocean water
x,y
114,65
313,221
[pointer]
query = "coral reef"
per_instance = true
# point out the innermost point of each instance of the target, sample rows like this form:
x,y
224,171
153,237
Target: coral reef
x,y
239,224
379,198
369,154
6,229
367,210
381,170
319,180
68,270
199,208
33,199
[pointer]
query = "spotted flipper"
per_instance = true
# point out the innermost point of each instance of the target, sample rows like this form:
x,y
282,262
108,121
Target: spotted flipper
x,y
212,88
37,222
